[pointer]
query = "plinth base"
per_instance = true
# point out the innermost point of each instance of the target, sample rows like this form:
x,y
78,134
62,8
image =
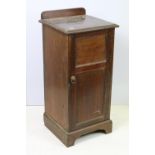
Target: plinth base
x,y
68,138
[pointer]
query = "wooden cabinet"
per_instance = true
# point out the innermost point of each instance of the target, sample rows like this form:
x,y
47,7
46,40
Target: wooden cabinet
x,y
78,56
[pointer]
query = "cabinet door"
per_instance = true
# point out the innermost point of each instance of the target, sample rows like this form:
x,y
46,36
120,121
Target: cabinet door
x,y
88,80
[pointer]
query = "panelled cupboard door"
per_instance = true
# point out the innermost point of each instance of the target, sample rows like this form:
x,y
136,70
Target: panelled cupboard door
x,y
87,80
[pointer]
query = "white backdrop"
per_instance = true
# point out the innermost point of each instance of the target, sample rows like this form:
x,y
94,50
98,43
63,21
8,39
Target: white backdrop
x,y
112,10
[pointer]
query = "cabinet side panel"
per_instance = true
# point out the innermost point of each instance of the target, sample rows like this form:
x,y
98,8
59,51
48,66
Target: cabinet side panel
x,y
56,75
109,71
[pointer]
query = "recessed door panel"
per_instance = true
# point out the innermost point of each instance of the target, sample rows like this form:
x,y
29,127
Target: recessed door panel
x,y
88,97
90,49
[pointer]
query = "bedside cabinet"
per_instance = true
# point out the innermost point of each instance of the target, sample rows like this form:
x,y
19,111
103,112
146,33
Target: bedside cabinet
x,y
78,56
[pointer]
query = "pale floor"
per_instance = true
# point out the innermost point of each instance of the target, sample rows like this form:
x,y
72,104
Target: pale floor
x,y
40,141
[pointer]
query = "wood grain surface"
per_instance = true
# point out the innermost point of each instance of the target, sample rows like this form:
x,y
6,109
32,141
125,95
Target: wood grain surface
x,y
77,75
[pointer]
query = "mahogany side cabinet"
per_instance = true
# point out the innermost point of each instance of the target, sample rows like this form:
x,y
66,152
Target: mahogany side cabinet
x,y
78,60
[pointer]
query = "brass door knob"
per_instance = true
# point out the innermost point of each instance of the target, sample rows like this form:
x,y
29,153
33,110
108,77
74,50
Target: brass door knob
x,y
73,79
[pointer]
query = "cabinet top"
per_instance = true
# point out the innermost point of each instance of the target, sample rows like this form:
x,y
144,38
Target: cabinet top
x,y
77,24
